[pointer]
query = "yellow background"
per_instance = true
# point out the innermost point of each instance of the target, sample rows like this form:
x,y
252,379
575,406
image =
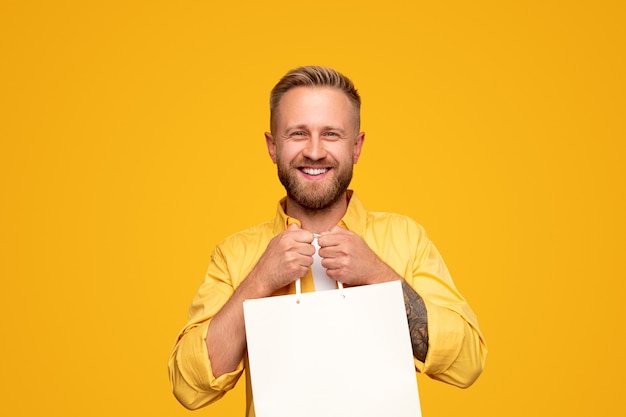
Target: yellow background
x,y
132,142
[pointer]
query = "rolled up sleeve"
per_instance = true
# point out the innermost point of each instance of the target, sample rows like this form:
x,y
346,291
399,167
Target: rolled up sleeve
x,y
190,371
456,352
189,366
457,349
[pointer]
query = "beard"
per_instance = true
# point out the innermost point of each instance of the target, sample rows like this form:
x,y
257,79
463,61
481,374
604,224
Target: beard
x,y
313,195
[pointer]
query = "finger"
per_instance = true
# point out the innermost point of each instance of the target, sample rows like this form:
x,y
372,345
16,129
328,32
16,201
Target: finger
x,y
306,260
306,249
330,239
302,236
328,264
327,252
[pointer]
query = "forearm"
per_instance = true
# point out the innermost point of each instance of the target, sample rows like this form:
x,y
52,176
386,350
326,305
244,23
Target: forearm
x,y
226,336
418,321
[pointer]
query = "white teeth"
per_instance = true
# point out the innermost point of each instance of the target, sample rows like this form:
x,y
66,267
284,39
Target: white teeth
x,y
314,171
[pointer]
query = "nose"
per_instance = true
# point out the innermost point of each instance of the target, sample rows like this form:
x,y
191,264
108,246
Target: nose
x,y
314,148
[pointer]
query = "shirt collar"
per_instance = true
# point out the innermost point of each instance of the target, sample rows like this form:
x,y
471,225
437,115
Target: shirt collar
x,y
354,219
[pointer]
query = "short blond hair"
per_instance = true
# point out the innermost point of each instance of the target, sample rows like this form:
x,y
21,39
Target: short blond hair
x,y
314,76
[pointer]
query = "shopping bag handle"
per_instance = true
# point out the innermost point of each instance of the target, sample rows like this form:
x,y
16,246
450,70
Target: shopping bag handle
x,y
299,290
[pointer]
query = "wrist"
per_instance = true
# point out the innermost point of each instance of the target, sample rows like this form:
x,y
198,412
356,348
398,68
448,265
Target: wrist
x,y
255,286
386,273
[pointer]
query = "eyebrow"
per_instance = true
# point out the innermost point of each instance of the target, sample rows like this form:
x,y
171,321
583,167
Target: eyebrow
x,y
324,128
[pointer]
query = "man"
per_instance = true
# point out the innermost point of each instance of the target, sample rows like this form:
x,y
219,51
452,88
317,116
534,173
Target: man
x,y
315,140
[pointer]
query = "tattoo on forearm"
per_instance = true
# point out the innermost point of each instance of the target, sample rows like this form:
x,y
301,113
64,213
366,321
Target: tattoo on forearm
x,y
418,321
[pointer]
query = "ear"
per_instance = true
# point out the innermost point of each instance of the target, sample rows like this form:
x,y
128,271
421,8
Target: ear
x,y
271,146
358,145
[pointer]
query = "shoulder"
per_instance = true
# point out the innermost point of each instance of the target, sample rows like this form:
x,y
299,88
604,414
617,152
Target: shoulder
x,y
250,236
395,223
398,240
238,252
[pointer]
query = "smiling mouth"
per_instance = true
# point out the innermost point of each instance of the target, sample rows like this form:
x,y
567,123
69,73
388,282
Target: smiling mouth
x,y
314,171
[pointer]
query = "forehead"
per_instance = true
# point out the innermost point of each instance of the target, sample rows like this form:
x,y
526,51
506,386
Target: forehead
x,y
314,105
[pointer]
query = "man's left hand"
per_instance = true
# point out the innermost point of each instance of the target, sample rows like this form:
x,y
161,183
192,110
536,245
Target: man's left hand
x,y
349,260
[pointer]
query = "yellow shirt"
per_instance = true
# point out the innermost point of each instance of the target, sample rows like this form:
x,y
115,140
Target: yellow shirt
x,y
456,351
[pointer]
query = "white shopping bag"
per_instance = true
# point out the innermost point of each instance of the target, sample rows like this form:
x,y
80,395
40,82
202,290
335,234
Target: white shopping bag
x,y
343,352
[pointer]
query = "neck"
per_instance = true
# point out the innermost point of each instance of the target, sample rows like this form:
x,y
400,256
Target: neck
x,y
320,220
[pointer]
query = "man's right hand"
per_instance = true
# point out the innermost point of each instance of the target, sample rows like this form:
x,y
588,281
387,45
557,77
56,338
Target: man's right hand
x,y
288,256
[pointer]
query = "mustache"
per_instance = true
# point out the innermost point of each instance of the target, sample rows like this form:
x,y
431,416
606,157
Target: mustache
x,y
322,163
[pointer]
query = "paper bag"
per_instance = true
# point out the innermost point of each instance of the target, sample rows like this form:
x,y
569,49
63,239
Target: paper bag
x,y
344,352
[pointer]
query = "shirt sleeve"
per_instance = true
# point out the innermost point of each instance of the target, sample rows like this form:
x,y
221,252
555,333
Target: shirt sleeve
x,y
190,372
457,349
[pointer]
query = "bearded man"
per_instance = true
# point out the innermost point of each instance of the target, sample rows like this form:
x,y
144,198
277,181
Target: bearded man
x,y
315,140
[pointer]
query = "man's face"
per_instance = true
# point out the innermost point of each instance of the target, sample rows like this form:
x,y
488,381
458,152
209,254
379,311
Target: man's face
x,y
315,144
